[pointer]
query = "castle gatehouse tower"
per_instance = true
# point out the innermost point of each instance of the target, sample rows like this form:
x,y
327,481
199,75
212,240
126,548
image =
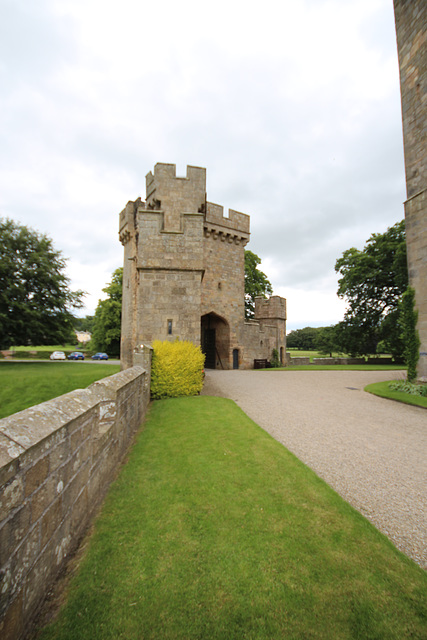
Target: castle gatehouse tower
x,y
183,275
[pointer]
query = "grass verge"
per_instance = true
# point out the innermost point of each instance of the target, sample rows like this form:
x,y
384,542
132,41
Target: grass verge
x,y
214,530
340,367
24,385
383,390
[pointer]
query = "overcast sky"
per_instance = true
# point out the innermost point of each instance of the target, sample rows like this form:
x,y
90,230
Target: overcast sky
x,y
293,106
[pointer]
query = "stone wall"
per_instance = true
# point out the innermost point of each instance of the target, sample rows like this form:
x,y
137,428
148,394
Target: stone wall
x,y
56,462
411,20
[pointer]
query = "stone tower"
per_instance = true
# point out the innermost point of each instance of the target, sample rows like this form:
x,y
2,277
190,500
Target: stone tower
x,y
411,31
183,275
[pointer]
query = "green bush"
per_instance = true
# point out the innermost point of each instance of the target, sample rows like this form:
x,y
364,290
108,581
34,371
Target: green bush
x,y
409,387
411,340
275,359
176,369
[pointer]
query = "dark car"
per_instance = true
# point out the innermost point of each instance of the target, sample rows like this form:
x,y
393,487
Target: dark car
x,y
100,356
76,355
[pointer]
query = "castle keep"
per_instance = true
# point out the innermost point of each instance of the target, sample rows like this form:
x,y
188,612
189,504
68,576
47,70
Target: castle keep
x,y
183,275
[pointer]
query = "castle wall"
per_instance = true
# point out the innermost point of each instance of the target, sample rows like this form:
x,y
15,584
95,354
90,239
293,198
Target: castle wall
x,y
223,287
256,342
176,195
411,21
164,297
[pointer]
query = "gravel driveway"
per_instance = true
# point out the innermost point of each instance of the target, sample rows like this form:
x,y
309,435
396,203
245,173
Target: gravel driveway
x,y
372,451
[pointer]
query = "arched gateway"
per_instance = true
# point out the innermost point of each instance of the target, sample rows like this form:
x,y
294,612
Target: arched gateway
x,y
183,275
215,341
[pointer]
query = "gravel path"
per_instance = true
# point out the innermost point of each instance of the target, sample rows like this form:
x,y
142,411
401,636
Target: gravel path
x,y
372,451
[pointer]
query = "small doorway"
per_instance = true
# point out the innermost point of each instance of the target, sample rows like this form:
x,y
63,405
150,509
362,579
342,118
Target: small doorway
x,y
235,358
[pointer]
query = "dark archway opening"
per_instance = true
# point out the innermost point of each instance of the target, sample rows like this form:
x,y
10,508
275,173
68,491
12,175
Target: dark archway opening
x,y
215,341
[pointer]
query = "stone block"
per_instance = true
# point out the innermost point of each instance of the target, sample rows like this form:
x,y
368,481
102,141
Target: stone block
x,y
12,623
36,475
11,496
13,531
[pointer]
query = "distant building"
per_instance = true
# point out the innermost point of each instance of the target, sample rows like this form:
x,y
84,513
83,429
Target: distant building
x,y
83,336
184,275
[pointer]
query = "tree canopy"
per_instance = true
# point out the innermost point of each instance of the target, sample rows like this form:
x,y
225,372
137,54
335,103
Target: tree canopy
x,y
108,316
35,299
256,283
84,324
303,339
373,281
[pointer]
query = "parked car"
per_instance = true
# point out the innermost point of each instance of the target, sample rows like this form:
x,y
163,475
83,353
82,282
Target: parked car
x,y
100,356
76,355
57,355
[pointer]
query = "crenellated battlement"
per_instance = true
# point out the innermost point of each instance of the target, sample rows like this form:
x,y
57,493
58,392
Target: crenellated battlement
x,y
235,221
127,220
272,308
165,181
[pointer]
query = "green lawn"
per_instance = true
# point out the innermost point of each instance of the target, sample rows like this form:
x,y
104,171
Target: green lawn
x,y
383,390
295,353
214,530
23,384
340,367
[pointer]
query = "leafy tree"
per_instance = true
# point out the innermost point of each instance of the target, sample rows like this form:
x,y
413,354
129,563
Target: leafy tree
x,y
326,340
108,313
256,283
84,324
372,281
35,299
408,321
303,339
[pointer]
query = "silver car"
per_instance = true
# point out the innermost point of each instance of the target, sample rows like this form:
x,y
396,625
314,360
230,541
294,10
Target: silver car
x,y
57,355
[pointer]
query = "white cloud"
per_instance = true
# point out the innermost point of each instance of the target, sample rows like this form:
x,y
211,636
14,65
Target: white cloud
x,y
293,108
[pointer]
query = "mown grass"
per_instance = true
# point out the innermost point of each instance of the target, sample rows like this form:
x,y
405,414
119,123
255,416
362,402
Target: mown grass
x,y
44,347
295,353
24,385
215,531
383,390
340,367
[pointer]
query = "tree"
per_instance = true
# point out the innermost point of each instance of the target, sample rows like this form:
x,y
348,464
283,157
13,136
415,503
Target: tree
x,y
84,324
326,340
108,316
256,283
408,322
303,339
373,281
35,299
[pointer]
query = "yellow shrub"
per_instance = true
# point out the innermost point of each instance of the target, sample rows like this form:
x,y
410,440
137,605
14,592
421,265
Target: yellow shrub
x,y
176,369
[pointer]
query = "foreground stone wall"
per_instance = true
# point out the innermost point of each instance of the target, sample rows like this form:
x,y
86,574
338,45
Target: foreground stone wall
x,y
56,462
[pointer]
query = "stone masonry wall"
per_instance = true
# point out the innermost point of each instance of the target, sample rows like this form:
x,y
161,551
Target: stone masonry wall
x,y
56,462
411,21
257,342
